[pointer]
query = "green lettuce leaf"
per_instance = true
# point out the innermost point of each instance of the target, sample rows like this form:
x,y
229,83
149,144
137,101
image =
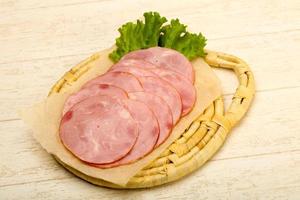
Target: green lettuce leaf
x,y
139,35
152,32
175,36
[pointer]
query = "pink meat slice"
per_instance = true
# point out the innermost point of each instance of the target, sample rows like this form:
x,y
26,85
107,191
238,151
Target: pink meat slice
x,y
94,90
164,58
98,130
148,133
161,111
168,93
134,63
184,87
135,69
124,80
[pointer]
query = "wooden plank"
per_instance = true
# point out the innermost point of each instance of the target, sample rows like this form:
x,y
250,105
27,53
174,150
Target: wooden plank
x,y
86,28
26,82
272,58
261,133
261,177
217,5
18,5
22,158
29,82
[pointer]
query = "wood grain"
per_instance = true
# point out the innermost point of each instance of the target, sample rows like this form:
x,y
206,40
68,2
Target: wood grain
x,y
231,178
71,30
40,40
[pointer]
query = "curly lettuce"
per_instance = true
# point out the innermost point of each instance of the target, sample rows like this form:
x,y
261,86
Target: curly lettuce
x,y
175,36
139,35
152,32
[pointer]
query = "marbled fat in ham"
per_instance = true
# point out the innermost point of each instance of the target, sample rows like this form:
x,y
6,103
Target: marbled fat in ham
x,y
164,58
183,86
163,89
161,110
99,130
148,133
93,90
124,80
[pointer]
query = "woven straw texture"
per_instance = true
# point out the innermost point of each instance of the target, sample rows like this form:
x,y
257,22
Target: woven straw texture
x,y
202,138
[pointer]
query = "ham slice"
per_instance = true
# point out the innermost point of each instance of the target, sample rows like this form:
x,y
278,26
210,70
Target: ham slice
x,y
134,63
124,80
161,111
94,90
168,93
164,58
183,86
98,130
137,69
148,133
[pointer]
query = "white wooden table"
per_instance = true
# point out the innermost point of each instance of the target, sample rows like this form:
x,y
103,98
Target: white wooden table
x,y
40,40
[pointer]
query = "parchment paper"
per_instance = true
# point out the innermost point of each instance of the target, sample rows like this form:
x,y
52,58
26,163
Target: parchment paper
x,y
44,119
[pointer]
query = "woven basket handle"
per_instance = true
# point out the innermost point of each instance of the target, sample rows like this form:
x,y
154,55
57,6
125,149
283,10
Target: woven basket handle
x,y
244,93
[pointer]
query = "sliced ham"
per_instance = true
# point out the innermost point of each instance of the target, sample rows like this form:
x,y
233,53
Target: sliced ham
x,y
160,109
98,130
93,90
121,116
164,58
168,93
124,80
136,69
184,87
134,63
148,133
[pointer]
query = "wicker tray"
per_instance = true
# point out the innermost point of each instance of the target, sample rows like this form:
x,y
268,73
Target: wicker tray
x,y
202,138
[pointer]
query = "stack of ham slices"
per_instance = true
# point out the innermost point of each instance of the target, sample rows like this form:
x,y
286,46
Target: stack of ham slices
x,y
122,115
